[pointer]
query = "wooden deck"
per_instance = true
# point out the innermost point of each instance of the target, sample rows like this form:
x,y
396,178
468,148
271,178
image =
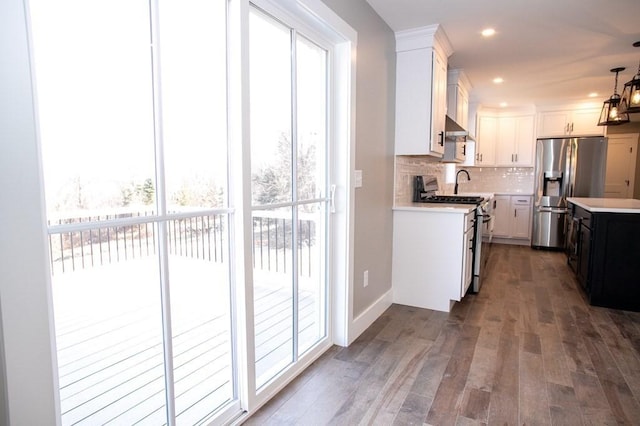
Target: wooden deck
x,y
109,337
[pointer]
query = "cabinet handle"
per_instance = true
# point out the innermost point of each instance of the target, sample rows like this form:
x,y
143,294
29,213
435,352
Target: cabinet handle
x,y
481,158
516,158
571,127
515,213
441,142
464,149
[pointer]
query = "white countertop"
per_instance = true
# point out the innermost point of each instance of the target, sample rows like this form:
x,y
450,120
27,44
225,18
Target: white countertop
x,y
436,207
607,205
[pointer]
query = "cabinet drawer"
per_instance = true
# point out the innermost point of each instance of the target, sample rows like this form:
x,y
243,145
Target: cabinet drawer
x,y
521,201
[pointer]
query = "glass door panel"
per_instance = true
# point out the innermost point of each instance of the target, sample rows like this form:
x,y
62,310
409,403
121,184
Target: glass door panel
x,y
96,126
288,172
312,290
273,292
311,120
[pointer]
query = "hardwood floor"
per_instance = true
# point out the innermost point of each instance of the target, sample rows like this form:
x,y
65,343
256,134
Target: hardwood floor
x,y
526,350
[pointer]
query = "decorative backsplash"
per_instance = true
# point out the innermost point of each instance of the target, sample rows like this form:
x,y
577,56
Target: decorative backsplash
x,y
501,180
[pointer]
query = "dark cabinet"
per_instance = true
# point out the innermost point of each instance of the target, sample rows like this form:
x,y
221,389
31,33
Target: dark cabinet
x,y
579,243
604,252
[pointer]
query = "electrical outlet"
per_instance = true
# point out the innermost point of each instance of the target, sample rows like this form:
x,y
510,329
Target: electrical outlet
x,y
365,279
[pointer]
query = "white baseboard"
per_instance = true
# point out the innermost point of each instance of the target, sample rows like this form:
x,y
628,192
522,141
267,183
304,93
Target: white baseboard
x,y
372,313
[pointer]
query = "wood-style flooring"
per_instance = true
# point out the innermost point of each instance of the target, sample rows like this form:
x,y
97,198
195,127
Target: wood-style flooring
x,y
526,350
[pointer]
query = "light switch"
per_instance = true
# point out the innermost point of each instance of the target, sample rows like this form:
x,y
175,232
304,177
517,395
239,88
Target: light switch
x,y
357,175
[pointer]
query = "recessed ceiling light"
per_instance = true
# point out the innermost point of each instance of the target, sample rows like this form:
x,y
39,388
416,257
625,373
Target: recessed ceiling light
x,y
503,104
498,80
488,32
593,95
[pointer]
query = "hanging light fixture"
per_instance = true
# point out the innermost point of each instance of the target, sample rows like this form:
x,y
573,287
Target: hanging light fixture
x,y
630,102
610,114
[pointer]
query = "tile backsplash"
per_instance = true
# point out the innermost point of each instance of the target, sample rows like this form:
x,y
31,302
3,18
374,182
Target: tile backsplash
x,y
500,180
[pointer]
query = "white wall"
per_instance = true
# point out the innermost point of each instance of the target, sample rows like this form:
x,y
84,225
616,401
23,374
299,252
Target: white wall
x,y
24,298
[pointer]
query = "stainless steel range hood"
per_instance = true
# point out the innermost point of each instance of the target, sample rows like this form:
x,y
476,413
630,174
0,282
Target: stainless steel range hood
x,y
456,142
453,132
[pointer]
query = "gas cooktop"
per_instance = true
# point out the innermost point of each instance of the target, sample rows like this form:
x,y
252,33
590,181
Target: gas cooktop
x,y
452,199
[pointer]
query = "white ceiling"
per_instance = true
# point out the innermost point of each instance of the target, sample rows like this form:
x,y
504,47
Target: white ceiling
x,y
547,51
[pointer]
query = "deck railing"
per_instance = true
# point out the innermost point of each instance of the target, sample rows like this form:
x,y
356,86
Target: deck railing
x,y
99,240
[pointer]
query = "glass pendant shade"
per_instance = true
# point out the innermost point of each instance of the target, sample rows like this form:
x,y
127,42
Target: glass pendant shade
x,y
611,115
630,102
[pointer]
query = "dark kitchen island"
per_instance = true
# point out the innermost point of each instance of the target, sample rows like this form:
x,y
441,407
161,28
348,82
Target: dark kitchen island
x,y
604,250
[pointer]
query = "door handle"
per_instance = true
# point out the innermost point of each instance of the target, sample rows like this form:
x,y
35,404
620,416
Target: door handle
x,y
332,199
441,142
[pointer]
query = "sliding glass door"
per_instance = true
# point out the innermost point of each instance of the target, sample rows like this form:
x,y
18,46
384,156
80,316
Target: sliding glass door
x,y
288,87
134,140
141,157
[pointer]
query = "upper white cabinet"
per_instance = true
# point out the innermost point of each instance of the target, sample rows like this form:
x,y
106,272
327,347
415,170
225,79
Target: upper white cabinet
x,y
515,141
486,138
570,122
421,91
458,88
505,139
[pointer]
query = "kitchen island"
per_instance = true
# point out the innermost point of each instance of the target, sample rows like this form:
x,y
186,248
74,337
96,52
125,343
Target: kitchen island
x,y
604,250
432,254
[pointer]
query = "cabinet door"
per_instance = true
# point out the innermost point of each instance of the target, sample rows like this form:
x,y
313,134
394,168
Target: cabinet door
x,y
502,216
486,141
521,217
439,103
413,102
524,141
584,122
506,142
553,123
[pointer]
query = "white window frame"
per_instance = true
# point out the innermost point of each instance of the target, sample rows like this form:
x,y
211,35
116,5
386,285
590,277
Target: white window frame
x,y
315,20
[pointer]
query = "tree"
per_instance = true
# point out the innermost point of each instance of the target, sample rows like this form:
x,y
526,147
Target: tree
x,y
272,183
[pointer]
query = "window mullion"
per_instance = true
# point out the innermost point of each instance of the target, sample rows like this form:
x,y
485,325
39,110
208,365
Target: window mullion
x,y
294,190
162,212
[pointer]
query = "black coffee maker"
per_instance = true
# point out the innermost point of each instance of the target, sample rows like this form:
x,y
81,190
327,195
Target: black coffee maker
x,y
423,187
418,188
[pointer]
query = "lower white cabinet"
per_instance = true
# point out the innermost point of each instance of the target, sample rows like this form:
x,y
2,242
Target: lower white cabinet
x,y
432,256
512,216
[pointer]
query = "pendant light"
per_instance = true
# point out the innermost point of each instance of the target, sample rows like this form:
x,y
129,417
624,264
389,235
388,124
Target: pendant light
x,y
630,102
610,114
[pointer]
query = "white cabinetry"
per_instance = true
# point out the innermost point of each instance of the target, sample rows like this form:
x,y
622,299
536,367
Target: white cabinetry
x,y
432,260
467,257
486,138
501,216
505,140
421,91
521,223
576,122
458,87
512,216
515,141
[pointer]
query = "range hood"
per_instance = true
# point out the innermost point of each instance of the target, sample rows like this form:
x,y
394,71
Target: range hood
x,y
453,132
456,142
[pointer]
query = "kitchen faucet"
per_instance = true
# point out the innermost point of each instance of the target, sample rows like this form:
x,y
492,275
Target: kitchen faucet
x,y
455,188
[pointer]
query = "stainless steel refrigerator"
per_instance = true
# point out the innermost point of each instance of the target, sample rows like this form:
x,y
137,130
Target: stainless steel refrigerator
x,y
565,167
